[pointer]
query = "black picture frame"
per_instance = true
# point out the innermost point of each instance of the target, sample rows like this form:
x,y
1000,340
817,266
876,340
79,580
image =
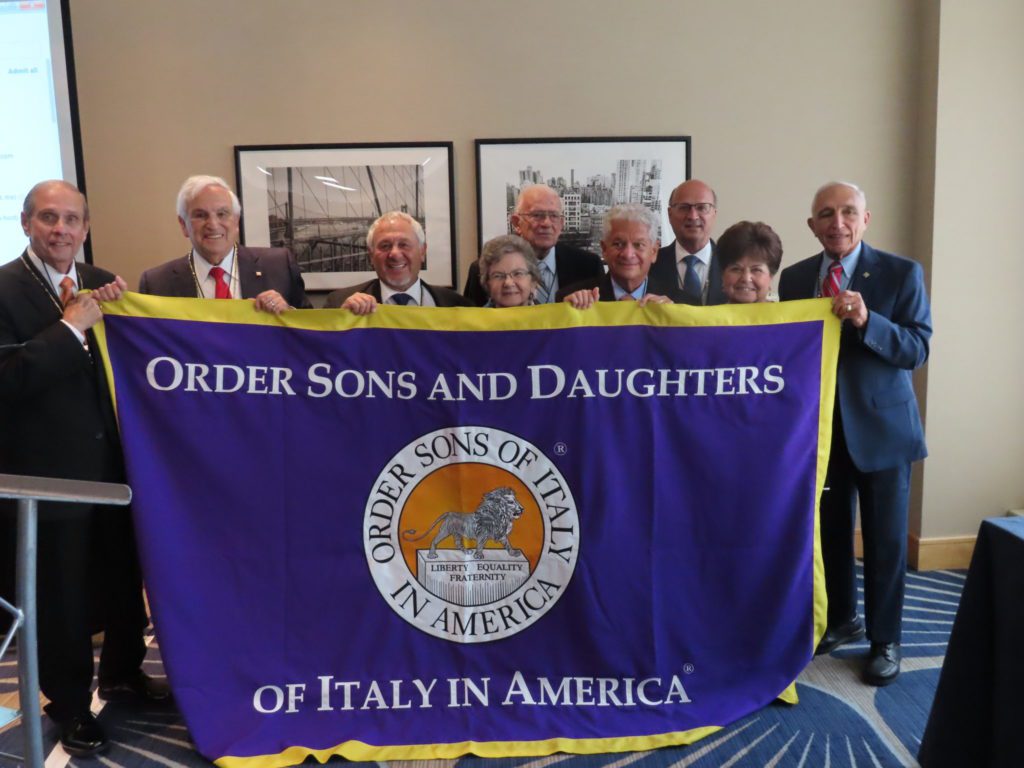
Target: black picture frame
x,y
505,166
319,200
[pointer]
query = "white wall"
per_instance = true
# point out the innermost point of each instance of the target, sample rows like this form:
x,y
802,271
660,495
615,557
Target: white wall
x,y
976,373
771,115
922,109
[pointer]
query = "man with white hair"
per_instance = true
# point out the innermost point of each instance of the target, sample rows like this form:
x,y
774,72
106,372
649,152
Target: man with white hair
x,y
538,219
397,246
629,242
217,267
876,426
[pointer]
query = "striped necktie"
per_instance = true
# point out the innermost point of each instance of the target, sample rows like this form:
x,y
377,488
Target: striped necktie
x,y
833,281
547,282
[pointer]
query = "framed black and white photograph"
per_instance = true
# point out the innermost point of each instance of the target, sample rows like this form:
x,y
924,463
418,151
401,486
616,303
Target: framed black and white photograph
x,y
589,174
318,200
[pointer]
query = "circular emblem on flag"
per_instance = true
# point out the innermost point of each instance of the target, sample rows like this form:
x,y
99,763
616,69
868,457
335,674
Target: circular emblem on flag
x,y
471,534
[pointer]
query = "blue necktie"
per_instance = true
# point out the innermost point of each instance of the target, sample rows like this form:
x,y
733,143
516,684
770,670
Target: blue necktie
x,y
691,282
402,299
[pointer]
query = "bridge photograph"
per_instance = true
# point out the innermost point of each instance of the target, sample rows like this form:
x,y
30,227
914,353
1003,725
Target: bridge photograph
x,y
322,213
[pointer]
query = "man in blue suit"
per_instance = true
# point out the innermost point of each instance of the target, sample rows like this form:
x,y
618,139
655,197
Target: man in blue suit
x,y
877,430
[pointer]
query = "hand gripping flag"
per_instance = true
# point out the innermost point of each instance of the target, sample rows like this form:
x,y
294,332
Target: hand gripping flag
x,y
433,532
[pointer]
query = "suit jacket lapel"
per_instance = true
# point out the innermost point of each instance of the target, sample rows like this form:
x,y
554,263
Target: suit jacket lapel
x,y
183,280
861,280
561,273
39,280
715,293
39,297
249,279
429,289
35,290
666,269
812,278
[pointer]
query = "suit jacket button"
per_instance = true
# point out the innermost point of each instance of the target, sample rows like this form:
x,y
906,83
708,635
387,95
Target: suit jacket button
x,y
99,435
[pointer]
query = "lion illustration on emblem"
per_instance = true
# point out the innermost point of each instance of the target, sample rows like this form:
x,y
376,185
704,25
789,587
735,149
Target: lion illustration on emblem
x,y
491,521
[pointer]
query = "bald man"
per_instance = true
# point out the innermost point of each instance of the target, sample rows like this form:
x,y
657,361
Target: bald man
x,y
876,431
689,261
538,219
58,422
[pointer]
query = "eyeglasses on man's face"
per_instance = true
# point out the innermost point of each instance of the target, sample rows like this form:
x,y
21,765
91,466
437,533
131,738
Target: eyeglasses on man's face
x,y
702,208
539,217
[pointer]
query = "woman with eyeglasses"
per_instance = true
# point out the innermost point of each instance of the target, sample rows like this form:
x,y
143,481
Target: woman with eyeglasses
x,y
509,272
749,253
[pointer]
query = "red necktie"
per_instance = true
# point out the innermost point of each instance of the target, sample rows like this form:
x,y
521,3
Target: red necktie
x,y
833,280
67,290
222,290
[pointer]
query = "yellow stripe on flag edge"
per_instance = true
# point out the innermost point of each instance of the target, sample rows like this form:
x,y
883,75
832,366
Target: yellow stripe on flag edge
x,y
360,751
548,316
100,334
471,318
829,362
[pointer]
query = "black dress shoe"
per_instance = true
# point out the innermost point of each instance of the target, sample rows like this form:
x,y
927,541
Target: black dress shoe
x,y
82,736
883,664
140,688
849,632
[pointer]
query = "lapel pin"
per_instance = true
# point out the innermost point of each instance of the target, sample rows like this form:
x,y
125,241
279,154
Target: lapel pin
x,y
260,274
866,274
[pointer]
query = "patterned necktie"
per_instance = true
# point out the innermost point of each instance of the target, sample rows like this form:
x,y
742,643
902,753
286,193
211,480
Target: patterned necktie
x,y
402,299
67,290
547,282
833,280
691,282
222,290
627,297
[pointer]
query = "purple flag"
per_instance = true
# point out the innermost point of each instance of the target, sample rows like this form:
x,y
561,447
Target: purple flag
x,y
429,533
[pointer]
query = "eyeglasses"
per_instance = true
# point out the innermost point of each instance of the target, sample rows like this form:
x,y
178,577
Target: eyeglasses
x,y
515,274
539,217
702,208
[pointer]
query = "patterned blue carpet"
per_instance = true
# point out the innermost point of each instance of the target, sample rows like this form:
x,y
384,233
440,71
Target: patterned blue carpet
x,y
838,722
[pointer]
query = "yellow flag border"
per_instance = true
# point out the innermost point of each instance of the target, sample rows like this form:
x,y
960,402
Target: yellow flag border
x,y
548,316
360,751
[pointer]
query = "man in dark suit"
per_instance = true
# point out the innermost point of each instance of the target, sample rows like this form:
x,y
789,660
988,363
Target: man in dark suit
x,y
690,260
538,219
58,422
397,246
629,243
877,430
217,268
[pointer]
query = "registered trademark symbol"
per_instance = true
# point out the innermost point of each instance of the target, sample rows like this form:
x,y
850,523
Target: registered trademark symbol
x,y
560,449
688,669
